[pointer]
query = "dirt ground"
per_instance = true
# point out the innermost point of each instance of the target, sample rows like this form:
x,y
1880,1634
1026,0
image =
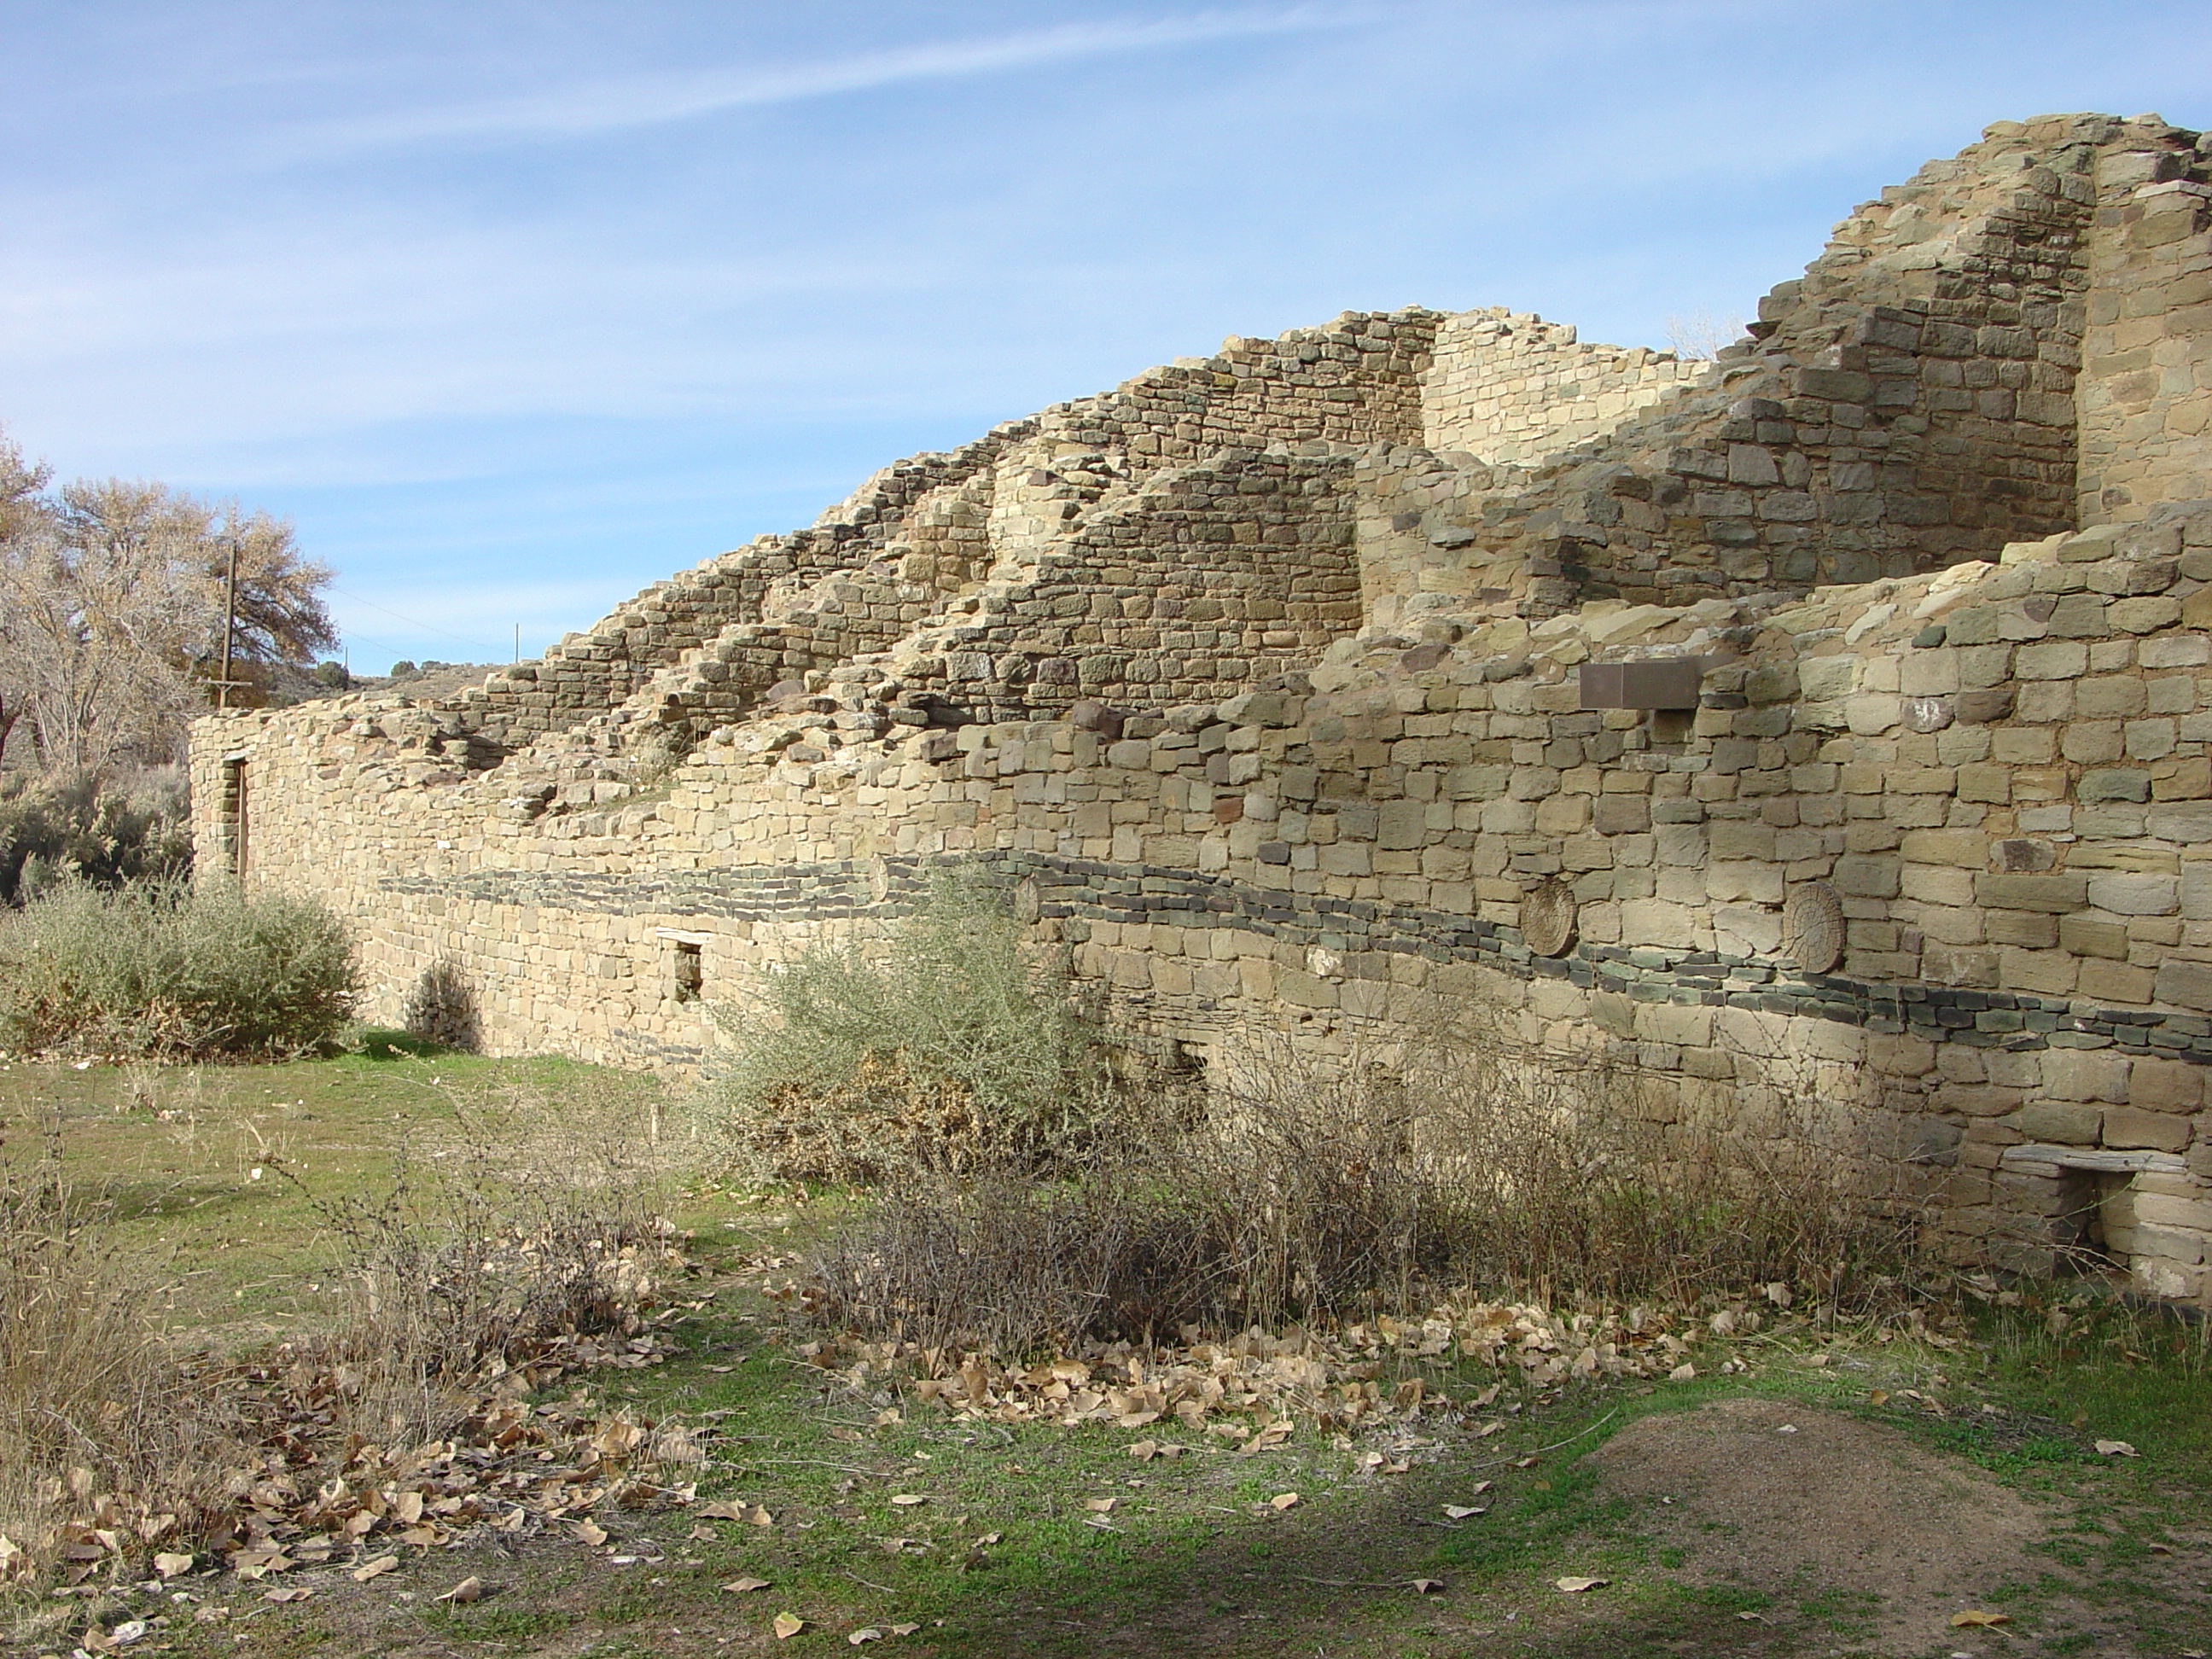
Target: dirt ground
x,y
1818,1511
1786,1498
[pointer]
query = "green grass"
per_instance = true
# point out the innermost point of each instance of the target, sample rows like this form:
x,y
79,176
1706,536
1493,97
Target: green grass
x,y
1194,1561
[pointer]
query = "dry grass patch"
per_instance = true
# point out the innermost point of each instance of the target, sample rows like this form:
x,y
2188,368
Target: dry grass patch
x,y
529,1245
110,1444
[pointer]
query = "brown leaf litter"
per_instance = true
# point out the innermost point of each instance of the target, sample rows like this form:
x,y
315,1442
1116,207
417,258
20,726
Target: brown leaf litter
x,y
1253,1388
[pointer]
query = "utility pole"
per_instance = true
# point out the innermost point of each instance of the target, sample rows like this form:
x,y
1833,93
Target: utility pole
x,y
518,641
229,627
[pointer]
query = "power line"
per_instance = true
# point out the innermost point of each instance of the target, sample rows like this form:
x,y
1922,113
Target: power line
x,y
474,645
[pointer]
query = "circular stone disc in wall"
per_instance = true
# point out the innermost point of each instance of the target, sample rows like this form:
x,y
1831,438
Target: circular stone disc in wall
x,y
1548,919
1813,927
1029,900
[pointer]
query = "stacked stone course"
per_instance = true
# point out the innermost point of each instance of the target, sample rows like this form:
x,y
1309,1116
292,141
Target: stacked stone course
x,y
1261,682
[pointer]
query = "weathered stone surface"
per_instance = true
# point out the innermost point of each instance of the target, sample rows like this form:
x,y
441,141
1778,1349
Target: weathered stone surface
x,y
1257,681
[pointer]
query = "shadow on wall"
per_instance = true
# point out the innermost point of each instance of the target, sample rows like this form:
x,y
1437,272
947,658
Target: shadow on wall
x,y
441,1008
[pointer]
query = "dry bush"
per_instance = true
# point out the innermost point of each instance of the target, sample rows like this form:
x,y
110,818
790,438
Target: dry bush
x,y
539,1226
102,1427
173,969
105,830
1324,1195
941,1041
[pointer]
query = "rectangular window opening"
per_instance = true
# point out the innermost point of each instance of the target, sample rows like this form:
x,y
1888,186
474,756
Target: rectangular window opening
x,y
684,961
1671,727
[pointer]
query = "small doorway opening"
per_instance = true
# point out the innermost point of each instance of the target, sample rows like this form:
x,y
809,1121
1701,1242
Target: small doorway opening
x,y
2095,1229
235,818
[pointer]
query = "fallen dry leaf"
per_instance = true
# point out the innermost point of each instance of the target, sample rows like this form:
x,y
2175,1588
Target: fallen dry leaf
x,y
1463,1511
988,1538
870,1634
1877,1397
907,1500
589,1532
741,1586
471,1588
1575,1586
787,1626
1428,1587
368,1570
170,1565
1684,1372
1282,1500
1273,1435
2116,1448
300,1593
1100,1505
721,1509
1975,1617
904,1630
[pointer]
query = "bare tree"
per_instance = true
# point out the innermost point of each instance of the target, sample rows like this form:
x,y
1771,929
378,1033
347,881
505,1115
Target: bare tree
x,y
20,483
1700,338
113,611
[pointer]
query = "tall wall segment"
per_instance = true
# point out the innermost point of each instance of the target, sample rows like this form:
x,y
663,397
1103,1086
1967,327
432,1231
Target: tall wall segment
x,y
1767,721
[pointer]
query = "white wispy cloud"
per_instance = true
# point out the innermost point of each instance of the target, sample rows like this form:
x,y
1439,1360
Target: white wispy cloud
x,y
588,109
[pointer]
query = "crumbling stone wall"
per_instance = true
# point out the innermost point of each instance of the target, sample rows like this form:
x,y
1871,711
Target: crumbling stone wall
x,y
1510,388
2147,378
1901,809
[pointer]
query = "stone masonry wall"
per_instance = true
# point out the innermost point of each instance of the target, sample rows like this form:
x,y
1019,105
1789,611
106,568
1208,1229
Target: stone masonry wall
x,y
1510,388
1285,730
1994,781
1905,404
2147,384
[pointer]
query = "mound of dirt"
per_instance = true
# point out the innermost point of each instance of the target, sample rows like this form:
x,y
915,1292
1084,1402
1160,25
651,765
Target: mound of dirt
x,y
1831,1517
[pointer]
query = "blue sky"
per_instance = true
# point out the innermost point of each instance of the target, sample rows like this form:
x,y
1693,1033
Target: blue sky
x,y
515,308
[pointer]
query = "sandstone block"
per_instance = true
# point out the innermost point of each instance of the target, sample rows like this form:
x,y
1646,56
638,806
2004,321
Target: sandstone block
x,y
2054,894
2104,980
2054,660
2132,1127
2186,984
2062,1123
2129,895
2166,1085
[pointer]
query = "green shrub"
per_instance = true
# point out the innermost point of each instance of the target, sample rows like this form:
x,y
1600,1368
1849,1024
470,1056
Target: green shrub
x,y
939,1043
105,831
173,971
